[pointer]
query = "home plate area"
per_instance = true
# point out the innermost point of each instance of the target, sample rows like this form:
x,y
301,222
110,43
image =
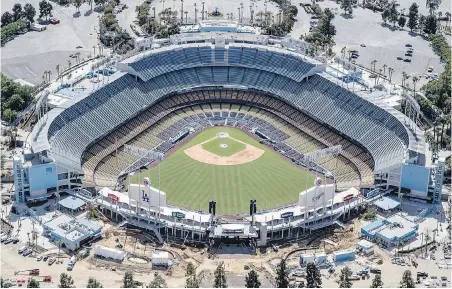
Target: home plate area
x,y
224,150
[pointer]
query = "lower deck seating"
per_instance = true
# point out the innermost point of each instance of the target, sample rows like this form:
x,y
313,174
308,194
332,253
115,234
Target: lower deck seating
x,y
158,127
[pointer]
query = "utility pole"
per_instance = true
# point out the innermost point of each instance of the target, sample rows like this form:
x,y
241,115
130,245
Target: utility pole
x,y
196,14
181,11
203,10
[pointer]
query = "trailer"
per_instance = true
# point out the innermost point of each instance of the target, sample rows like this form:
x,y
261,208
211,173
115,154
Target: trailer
x,y
27,272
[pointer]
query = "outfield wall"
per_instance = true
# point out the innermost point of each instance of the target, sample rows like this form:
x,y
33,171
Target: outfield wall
x,y
316,196
147,196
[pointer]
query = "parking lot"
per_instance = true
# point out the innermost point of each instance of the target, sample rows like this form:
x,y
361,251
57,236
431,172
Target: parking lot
x,y
30,54
382,43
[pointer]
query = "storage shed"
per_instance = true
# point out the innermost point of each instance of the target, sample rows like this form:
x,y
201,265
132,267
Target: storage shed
x,y
320,258
160,258
306,258
345,255
110,253
365,247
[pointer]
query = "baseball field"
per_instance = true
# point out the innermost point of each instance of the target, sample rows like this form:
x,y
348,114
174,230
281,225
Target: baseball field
x,y
229,166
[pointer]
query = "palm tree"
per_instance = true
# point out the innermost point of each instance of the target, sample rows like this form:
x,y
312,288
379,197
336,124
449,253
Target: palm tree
x,y
373,64
384,69
94,48
404,75
343,52
69,63
390,71
58,70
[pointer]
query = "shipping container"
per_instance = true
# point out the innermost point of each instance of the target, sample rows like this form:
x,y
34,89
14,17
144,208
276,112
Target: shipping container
x,y
306,258
345,255
320,258
160,258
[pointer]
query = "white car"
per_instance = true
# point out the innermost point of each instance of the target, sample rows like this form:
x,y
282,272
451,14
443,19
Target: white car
x,y
3,238
430,69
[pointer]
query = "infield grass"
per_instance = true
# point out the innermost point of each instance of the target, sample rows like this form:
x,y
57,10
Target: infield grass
x,y
271,180
233,146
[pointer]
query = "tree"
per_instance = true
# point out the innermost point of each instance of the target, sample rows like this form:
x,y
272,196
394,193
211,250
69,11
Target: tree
x,y
100,2
323,35
158,282
347,6
93,283
344,281
45,9
17,11
407,280
385,15
430,24
29,12
413,16
33,283
220,277
192,280
66,281
282,275
313,277
127,281
376,282
432,5
252,280
7,18
142,13
77,4
393,13
402,21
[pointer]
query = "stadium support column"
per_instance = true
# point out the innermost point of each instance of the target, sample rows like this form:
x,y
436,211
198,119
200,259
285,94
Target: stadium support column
x,y
252,210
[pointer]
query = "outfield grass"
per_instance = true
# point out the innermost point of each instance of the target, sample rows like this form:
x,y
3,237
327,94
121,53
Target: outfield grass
x,y
233,147
271,180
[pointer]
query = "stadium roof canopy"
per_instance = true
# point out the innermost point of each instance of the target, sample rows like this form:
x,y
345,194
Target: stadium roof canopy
x,y
72,203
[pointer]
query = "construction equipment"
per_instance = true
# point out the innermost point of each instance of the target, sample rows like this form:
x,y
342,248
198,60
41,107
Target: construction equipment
x,y
29,272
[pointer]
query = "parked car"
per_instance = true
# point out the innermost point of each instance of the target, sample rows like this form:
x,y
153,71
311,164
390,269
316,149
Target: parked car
x,y
54,21
399,58
51,261
45,258
4,238
39,258
430,69
22,249
407,60
375,271
408,45
27,252
7,241
15,240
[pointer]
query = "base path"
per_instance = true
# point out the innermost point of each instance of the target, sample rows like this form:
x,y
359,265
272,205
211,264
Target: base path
x,y
249,154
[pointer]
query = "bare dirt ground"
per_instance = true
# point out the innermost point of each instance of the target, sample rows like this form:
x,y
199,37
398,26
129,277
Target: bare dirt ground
x,y
249,154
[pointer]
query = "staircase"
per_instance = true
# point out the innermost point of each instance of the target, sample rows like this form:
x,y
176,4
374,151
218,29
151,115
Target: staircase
x,y
340,224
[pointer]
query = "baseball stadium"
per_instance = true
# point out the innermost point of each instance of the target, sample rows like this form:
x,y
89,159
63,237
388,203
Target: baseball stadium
x,y
220,121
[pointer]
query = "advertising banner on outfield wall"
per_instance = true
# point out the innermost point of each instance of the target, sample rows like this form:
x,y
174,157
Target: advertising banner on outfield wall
x,y
147,196
315,196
